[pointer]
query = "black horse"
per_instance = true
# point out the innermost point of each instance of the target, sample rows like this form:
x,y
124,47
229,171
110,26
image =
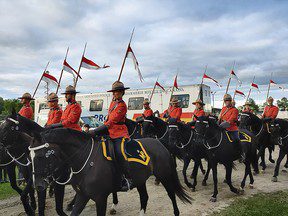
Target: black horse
x,y
95,176
9,158
189,146
16,133
260,127
220,149
279,135
134,129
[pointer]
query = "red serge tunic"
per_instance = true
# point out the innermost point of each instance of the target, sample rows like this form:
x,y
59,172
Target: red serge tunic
x,y
230,114
148,112
71,116
270,112
248,110
116,119
26,111
54,115
174,112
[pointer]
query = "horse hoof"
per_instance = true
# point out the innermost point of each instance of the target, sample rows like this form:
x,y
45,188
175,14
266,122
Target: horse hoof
x,y
274,179
204,183
272,161
241,191
251,186
213,199
112,211
69,208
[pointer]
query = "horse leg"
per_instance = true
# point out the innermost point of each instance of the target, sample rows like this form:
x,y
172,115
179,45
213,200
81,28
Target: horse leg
x,y
101,205
277,167
215,181
195,172
251,177
228,178
286,164
27,174
41,202
262,156
184,171
59,191
204,182
168,185
142,190
115,203
270,149
80,204
202,168
247,166
13,182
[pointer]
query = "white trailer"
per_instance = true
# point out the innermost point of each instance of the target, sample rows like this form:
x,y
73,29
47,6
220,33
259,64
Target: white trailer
x,y
95,105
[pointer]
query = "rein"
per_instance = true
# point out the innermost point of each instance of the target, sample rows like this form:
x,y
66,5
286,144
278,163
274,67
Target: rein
x,y
190,138
13,159
72,172
213,147
167,128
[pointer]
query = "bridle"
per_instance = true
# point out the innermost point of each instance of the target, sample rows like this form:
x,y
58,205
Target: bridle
x,y
72,172
262,127
189,140
205,140
151,122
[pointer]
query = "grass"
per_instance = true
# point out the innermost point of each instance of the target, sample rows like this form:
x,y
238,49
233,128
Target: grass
x,y
6,191
258,205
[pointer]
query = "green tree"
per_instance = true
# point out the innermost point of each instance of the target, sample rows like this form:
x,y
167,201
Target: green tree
x,y
9,104
283,103
1,104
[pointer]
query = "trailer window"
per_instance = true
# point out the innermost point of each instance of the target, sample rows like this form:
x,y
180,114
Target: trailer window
x,y
96,105
43,106
135,103
184,100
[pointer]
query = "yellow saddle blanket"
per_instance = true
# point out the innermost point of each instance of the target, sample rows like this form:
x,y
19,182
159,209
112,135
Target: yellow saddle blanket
x,y
244,137
132,151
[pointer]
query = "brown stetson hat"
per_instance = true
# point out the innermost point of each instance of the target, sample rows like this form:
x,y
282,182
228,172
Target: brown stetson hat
x,y
227,97
199,101
26,96
52,97
247,103
146,101
70,90
118,86
175,100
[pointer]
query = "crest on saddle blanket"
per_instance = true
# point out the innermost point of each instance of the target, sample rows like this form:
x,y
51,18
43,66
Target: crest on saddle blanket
x,y
132,151
244,137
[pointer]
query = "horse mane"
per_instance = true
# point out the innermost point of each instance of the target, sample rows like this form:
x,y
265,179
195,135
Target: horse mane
x,y
28,124
65,136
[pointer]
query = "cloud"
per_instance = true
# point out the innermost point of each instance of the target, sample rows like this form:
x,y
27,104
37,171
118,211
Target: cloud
x,y
170,36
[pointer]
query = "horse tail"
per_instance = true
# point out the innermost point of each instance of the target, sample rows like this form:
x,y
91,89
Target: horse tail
x,y
178,188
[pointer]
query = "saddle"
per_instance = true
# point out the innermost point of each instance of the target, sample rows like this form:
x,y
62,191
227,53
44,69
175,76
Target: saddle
x,y
132,151
244,137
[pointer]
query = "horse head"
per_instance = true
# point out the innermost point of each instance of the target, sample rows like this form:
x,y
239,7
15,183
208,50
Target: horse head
x,y
278,130
46,158
149,126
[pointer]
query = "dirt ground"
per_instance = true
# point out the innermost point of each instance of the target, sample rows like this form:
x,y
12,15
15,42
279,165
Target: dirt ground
x,y
160,204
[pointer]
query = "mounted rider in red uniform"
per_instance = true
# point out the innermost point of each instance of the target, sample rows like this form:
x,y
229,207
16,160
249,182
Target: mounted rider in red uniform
x,y
174,111
199,111
26,110
147,110
118,131
55,113
270,111
228,120
71,115
247,107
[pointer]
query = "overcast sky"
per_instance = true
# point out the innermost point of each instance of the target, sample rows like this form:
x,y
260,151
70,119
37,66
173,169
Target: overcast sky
x,y
169,36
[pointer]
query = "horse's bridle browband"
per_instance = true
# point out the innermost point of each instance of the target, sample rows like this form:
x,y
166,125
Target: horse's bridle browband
x,y
46,145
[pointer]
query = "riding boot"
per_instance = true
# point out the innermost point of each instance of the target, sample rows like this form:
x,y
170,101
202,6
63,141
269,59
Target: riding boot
x,y
123,165
240,151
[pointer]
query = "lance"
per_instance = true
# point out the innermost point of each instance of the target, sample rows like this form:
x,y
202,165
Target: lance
x,y
75,83
229,81
235,91
61,74
173,89
269,85
40,79
250,90
152,93
200,88
124,60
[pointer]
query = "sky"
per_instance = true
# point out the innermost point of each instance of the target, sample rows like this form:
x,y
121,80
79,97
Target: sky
x,y
170,36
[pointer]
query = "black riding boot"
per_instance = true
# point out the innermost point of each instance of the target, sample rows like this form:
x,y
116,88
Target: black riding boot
x,y
123,166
